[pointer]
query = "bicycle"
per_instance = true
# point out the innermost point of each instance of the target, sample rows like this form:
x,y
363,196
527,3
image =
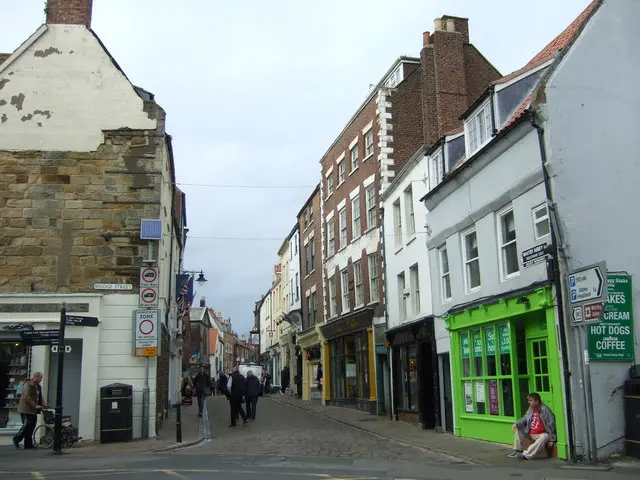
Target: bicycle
x,y
43,435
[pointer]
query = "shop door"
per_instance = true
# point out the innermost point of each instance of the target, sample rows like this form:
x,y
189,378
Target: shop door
x,y
71,379
539,379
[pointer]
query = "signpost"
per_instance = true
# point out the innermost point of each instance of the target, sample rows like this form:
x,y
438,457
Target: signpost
x,y
80,321
611,340
587,293
40,337
145,333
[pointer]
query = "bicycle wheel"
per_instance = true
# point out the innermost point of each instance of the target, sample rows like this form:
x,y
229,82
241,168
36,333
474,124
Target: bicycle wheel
x,y
43,436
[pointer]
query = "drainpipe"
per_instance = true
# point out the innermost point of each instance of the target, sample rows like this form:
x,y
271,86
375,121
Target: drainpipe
x,y
492,94
558,287
391,394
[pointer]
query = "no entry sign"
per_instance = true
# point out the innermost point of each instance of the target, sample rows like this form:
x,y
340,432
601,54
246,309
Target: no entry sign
x,y
145,333
149,283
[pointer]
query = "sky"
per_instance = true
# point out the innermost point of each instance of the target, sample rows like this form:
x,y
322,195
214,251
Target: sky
x,y
256,91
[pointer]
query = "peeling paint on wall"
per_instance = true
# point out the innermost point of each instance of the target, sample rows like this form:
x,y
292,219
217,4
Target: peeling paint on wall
x,y
18,100
3,82
44,113
47,52
2,102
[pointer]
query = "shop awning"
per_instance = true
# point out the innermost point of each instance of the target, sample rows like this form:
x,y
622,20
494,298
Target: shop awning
x,y
417,330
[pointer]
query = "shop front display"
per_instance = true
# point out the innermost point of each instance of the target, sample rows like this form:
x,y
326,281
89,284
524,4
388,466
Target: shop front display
x,y
14,370
350,379
501,352
415,373
310,342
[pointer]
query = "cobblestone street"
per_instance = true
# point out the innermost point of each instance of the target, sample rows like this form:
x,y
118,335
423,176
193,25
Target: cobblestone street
x,y
281,429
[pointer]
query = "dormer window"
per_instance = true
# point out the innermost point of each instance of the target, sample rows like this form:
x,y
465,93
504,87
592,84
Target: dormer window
x,y
478,128
435,169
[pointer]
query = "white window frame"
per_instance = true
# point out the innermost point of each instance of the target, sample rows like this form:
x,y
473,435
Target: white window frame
x,y
342,227
409,211
397,223
333,306
312,250
368,144
466,262
477,134
402,296
445,277
344,289
331,238
537,221
370,202
330,185
356,225
341,172
353,155
414,283
435,169
358,283
374,276
502,247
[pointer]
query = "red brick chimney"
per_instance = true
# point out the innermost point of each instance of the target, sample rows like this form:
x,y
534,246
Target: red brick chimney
x,y
69,12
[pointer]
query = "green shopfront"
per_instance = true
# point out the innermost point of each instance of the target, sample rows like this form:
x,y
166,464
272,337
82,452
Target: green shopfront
x,y
501,351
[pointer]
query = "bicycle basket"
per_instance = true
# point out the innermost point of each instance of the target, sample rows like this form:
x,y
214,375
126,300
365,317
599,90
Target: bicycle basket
x,y
48,416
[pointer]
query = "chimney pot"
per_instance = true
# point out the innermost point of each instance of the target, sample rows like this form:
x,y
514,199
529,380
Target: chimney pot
x,y
426,38
451,26
437,24
69,12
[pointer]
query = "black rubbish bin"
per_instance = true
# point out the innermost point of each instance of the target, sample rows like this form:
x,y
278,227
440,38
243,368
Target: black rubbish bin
x,y
116,413
632,416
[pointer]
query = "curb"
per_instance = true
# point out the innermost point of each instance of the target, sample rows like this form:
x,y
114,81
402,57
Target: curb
x,y
456,458
204,431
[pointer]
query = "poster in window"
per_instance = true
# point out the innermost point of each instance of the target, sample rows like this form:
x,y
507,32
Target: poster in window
x,y
480,392
490,340
468,397
351,370
465,345
494,409
477,344
505,340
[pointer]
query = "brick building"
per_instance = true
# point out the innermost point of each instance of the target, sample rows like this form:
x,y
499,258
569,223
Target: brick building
x,y
84,157
413,105
310,338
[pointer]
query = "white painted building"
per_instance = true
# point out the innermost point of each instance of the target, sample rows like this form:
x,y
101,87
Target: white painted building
x,y
294,271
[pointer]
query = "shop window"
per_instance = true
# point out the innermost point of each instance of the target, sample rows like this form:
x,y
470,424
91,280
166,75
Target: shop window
x,y
14,369
408,378
466,357
362,361
403,390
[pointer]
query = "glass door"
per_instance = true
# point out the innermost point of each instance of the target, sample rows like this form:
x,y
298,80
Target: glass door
x,y
539,378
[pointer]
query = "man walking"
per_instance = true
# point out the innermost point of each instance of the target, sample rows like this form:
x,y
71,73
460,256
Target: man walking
x,y
285,378
201,382
538,424
236,388
31,403
252,392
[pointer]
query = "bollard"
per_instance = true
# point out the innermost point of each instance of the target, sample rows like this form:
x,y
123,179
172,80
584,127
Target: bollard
x,y
178,423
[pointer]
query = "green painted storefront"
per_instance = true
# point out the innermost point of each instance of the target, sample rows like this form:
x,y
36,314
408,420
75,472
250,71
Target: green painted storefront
x,y
500,351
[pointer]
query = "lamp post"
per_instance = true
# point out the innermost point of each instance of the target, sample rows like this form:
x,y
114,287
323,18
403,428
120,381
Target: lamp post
x,y
201,280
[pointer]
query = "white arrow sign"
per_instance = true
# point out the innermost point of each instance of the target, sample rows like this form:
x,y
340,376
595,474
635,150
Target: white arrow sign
x,y
586,285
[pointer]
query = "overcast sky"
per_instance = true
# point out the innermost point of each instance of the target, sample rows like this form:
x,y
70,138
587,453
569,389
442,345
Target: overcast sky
x,y
256,91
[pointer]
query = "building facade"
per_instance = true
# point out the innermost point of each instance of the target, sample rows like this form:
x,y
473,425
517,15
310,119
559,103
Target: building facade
x,y
85,157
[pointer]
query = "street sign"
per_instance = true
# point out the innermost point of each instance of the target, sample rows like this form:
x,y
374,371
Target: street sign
x,y
611,340
587,284
112,286
40,337
145,333
592,312
80,321
576,314
149,277
149,297
534,255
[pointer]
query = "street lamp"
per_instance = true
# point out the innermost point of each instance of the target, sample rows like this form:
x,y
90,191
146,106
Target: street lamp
x,y
200,280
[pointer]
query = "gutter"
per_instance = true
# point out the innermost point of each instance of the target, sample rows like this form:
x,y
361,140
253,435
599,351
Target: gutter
x,y
554,264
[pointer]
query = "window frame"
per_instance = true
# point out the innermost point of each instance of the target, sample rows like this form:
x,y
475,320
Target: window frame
x,y
374,276
409,211
333,306
397,223
371,208
466,262
331,237
330,185
502,246
312,243
356,224
358,282
403,311
537,221
472,126
368,136
314,305
342,227
344,290
341,172
353,155
444,276
414,274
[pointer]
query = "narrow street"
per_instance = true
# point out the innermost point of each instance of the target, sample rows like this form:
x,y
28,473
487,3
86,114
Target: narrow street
x,y
285,442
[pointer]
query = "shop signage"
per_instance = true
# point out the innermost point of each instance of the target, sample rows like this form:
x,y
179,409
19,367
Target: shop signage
x,y
534,255
505,339
587,284
494,408
465,346
40,337
477,344
80,321
145,333
490,341
611,340
358,321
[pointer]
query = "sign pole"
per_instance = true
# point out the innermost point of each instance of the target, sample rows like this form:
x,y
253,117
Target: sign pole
x,y
57,429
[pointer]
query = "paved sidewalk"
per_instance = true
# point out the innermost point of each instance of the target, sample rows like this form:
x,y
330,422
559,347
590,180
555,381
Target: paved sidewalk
x,y
462,449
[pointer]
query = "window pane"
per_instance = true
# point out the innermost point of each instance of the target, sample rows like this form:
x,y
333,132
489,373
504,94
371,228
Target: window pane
x,y
480,396
542,228
507,397
477,354
466,357
508,228
490,345
511,263
474,274
413,378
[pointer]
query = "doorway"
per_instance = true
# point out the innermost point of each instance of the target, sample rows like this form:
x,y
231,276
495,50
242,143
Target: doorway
x,y
539,379
71,379
447,394
427,387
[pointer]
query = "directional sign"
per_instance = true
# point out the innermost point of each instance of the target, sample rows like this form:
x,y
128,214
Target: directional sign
x,y
587,284
593,311
80,321
149,277
145,333
40,337
576,314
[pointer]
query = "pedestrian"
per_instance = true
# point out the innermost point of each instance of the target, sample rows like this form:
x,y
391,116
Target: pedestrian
x,y
31,403
299,385
285,378
222,383
252,392
538,424
201,382
187,390
236,388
